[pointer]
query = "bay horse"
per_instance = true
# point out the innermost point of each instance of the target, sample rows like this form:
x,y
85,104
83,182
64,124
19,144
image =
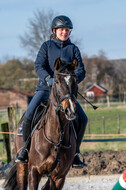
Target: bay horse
x,y
53,144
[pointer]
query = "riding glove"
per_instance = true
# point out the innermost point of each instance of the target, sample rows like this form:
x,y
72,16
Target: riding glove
x,y
49,80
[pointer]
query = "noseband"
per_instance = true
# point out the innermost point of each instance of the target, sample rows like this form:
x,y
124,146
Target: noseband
x,y
67,96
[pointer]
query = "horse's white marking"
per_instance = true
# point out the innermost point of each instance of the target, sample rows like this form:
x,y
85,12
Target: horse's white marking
x,y
67,78
71,105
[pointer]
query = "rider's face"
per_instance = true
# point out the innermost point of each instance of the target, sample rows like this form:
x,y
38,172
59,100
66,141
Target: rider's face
x,y
63,33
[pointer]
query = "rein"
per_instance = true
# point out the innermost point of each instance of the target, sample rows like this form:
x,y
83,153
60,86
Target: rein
x,y
59,144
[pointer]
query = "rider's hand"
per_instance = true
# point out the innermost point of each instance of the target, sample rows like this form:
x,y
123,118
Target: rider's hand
x,y
49,80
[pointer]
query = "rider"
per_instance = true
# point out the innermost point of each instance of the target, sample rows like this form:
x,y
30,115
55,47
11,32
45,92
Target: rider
x,y
59,45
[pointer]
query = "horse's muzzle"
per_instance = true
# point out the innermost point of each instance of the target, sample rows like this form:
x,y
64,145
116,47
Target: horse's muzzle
x,y
70,115
69,107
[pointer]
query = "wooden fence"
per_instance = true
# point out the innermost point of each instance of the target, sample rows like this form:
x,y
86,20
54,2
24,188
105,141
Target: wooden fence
x,y
9,129
119,122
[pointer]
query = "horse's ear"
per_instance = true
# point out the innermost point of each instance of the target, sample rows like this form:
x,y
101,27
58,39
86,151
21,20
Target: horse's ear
x,y
57,64
75,63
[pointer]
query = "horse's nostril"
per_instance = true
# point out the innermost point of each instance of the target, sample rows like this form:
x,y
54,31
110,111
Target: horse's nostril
x,y
70,114
67,110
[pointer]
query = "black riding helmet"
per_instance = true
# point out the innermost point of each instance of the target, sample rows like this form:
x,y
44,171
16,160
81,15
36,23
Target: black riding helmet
x,y
61,22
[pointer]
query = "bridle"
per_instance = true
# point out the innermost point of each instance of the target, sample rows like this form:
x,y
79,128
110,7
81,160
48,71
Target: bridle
x,y
68,97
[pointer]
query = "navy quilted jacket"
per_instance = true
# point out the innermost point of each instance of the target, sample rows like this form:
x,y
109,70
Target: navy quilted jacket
x,y
49,52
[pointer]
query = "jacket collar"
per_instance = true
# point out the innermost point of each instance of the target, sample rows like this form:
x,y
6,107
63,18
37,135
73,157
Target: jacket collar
x,y
61,43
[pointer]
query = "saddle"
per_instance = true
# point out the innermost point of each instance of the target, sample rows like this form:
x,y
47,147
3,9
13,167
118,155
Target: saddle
x,y
38,115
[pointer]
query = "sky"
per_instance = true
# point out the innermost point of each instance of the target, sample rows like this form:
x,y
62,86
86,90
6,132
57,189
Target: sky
x,y
100,25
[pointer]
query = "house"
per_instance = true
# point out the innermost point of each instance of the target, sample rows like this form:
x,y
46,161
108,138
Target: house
x,y
11,97
95,91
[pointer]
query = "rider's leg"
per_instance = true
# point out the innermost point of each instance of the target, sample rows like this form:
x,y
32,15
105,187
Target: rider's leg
x,y
36,100
23,157
80,133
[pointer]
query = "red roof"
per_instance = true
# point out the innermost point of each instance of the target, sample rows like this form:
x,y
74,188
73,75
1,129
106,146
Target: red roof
x,y
97,89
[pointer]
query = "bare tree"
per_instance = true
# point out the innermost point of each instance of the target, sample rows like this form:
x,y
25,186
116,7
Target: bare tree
x,y
38,31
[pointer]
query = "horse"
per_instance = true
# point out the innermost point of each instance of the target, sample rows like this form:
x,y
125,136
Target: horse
x,y
53,143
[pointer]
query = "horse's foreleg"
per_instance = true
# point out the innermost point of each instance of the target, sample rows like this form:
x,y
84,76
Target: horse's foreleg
x,y
22,176
54,184
33,178
58,183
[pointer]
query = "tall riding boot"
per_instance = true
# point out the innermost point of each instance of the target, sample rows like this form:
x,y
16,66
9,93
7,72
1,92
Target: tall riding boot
x,y
80,133
80,130
23,157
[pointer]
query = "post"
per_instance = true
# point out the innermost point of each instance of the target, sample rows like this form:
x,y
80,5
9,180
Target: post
x,y
12,128
88,126
5,128
118,124
103,125
20,113
108,101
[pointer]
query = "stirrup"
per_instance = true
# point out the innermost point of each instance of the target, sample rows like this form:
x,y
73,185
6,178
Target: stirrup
x,y
82,163
23,161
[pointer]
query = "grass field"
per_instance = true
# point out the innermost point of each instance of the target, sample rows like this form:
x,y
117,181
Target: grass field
x,y
110,119
101,121
105,121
